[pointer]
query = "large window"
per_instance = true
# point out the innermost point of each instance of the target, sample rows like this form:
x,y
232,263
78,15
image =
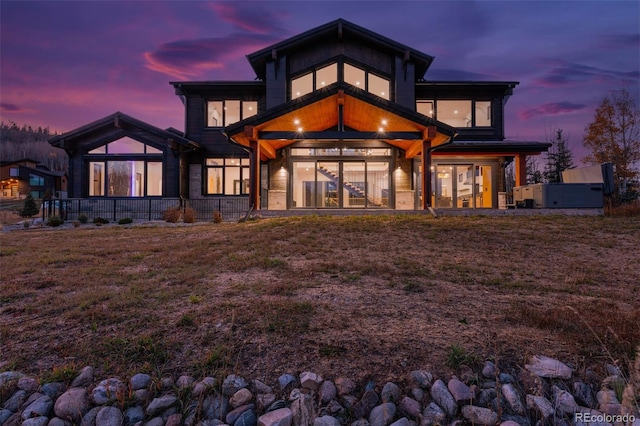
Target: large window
x,y
370,82
35,180
227,176
322,77
457,113
125,168
341,183
225,112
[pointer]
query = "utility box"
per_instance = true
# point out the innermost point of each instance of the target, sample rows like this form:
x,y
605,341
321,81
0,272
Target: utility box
x,y
562,195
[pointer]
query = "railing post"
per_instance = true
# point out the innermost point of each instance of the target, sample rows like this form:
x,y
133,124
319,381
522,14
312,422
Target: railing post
x,y
114,209
149,209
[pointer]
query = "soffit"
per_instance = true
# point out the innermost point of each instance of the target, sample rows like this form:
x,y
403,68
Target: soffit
x,y
323,114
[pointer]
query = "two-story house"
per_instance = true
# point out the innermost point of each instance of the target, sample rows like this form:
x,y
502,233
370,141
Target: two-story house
x,y
338,117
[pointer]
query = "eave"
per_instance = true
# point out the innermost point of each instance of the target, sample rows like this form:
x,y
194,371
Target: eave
x,y
339,112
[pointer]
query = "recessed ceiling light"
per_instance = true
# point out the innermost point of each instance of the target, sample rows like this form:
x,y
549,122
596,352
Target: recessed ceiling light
x,y
299,129
296,121
380,129
384,122
455,111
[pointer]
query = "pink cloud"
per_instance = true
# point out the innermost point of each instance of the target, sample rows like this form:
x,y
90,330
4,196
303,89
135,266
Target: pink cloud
x,y
554,108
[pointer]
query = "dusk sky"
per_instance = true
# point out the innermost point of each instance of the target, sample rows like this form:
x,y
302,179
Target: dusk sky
x,y
64,63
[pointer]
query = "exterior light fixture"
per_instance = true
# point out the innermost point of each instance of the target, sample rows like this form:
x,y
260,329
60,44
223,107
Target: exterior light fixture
x,y
299,129
296,121
384,122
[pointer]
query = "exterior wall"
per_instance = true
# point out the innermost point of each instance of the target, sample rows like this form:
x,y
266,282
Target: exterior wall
x,y
276,79
405,92
196,181
321,52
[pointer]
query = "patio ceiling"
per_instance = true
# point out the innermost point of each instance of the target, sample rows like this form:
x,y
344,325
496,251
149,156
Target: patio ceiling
x,y
320,121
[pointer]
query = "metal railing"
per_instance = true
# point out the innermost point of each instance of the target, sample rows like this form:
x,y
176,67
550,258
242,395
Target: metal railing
x,y
114,209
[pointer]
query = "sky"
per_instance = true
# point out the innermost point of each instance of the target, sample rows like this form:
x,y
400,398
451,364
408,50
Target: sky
x,y
64,64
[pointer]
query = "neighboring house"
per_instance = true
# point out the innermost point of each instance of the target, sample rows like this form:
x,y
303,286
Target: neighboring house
x,y
337,117
22,177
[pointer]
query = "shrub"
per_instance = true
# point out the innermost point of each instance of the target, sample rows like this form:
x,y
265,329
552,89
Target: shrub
x,y
30,208
55,221
125,221
76,224
217,216
189,215
100,221
171,215
82,218
26,224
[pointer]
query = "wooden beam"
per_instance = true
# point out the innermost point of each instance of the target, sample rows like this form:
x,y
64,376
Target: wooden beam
x,y
426,174
289,135
521,169
267,150
413,150
254,175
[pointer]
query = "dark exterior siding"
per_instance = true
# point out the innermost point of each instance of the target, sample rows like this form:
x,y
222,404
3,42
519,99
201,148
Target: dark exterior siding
x,y
405,83
276,93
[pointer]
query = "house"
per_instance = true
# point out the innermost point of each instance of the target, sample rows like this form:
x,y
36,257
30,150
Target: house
x,y
21,177
338,117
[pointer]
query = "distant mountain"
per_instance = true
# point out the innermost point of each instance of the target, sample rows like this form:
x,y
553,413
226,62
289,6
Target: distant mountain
x,y
17,143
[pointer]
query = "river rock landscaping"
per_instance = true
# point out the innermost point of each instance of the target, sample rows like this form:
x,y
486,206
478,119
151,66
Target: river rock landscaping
x,y
545,391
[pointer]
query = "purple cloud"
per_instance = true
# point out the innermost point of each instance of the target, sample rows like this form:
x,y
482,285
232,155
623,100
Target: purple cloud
x,y
190,58
5,107
450,74
250,17
567,74
619,41
553,108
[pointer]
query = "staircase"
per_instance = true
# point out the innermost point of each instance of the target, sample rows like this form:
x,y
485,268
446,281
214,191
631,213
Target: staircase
x,y
353,189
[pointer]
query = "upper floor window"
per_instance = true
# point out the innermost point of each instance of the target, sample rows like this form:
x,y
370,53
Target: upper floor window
x,y
370,82
314,80
328,74
457,113
229,111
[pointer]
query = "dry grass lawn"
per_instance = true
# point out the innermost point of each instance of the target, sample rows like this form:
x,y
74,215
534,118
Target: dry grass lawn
x,y
368,297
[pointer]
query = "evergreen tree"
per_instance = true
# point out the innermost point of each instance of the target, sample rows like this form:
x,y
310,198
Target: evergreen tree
x,y
534,175
30,208
559,158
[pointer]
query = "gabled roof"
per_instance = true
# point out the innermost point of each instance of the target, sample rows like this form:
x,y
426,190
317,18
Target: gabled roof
x,y
338,30
317,113
118,120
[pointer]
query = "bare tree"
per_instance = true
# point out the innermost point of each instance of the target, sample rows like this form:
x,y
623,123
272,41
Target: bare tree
x,y
614,136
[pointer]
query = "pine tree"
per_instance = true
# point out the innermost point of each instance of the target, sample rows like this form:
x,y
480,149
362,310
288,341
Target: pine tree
x,y
559,158
30,208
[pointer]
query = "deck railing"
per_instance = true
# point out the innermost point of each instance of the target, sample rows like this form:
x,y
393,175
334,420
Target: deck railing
x,y
114,209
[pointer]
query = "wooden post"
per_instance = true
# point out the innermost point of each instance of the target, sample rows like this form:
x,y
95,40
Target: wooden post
x,y
254,167
426,174
428,135
521,169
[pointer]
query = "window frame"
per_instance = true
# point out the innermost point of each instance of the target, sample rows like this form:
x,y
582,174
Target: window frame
x,y
241,110
228,165
473,101
157,155
340,63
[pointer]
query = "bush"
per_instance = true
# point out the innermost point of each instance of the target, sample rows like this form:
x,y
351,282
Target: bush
x,y
55,221
189,215
26,224
30,208
82,218
100,221
171,215
217,216
125,221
